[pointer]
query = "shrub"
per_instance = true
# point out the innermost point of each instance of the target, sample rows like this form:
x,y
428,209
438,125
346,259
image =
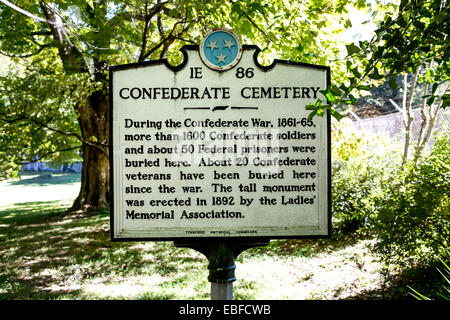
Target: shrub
x,y
358,169
413,220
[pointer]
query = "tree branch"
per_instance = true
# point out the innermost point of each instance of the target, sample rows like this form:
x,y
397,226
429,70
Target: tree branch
x,y
141,17
169,42
185,40
70,55
25,55
22,11
144,34
255,24
170,38
49,153
98,145
149,53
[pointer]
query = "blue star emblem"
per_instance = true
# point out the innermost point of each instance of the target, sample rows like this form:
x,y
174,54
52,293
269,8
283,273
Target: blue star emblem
x,y
220,49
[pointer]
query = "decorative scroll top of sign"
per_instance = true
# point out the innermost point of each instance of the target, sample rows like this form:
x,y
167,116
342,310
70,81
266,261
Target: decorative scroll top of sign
x,y
221,49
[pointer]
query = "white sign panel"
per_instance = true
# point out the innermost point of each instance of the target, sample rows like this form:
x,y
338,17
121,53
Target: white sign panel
x,y
196,152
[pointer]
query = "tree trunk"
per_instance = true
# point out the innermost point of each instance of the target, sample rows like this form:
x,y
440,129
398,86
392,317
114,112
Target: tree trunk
x,y
407,113
94,123
93,120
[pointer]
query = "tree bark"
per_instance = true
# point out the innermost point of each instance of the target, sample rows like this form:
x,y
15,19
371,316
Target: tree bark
x,y
94,123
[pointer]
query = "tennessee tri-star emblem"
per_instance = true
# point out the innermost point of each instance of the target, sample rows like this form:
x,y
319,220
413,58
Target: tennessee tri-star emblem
x,y
220,49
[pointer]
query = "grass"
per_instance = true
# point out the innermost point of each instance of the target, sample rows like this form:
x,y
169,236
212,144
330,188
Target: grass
x,y
33,187
69,256
47,253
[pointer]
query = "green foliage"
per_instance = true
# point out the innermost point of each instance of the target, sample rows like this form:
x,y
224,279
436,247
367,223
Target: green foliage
x,y
441,290
37,116
361,164
413,220
416,36
56,68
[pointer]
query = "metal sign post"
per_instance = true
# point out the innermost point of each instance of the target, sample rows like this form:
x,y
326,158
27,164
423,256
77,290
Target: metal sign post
x,y
221,271
221,256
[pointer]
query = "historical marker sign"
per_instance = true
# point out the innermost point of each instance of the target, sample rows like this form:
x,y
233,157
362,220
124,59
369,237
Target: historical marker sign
x,y
219,146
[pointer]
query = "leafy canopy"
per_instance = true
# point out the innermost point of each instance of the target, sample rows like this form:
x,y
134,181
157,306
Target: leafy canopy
x,y
416,37
59,54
